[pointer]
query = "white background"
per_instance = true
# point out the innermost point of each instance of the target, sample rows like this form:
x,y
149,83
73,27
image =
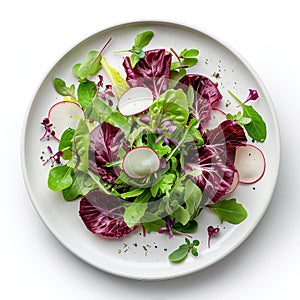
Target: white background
x,y
34,35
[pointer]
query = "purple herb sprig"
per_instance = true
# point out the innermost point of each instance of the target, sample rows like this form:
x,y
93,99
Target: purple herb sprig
x,y
169,228
212,231
253,95
54,157
48,129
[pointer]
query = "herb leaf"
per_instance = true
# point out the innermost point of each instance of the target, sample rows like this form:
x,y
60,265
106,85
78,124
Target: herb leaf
x,y
86,93
143,39
61,88
179,254
60,178
230,211
257,127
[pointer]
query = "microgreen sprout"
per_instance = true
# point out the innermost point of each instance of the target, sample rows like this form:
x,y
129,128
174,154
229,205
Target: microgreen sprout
x,y
48,129
54,158
183,250
212,231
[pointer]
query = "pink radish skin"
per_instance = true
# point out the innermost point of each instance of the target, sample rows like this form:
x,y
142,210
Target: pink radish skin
x,y
64,115
235,183
217,117
135,101
141,162
250,163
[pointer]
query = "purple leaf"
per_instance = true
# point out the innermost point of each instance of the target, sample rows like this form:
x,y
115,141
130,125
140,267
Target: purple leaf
x,y
216,159
152,71
106,139
102,215
206,95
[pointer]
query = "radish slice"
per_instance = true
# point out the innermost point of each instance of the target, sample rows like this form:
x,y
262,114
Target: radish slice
x,y
141,162
235,182
250,163
135,100
217,117
64,115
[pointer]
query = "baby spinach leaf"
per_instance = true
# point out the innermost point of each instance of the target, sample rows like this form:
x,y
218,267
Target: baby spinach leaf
x,y
230,211
66,143
61,88
143,39
86,93
60,178
179,254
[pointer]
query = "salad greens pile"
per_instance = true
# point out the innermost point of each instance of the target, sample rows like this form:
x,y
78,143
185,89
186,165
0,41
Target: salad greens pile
x,y
196,165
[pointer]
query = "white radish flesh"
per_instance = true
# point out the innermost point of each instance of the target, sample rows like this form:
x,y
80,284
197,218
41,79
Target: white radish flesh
x,y
141,162
250,163
64,115
217,117
235,182
135,100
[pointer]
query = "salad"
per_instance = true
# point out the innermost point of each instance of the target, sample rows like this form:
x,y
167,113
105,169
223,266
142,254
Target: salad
x,y
151,148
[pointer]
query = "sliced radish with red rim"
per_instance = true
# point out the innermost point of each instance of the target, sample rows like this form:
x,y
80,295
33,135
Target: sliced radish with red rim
x,y
250,163
64,115
235,183
217,117
135,100
141,162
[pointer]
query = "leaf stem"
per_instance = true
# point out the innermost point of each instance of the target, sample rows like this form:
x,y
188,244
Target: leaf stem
x,y
235,97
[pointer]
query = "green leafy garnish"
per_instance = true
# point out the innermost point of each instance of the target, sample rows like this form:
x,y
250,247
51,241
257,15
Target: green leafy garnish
x,y
230,211
61,88
257,127
140,41
183,250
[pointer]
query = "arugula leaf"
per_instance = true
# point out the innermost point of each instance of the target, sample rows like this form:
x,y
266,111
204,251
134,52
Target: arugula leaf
x,y
60,178
230,211
190,227
136,210
86,93
257,127
164,185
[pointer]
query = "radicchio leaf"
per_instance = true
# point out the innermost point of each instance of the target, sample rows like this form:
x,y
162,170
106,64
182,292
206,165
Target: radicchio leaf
x,y
102,215
206,95
152,71
216,159
225,138
105,141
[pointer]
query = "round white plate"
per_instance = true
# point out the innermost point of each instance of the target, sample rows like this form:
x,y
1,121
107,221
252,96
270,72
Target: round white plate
x,y
137,256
